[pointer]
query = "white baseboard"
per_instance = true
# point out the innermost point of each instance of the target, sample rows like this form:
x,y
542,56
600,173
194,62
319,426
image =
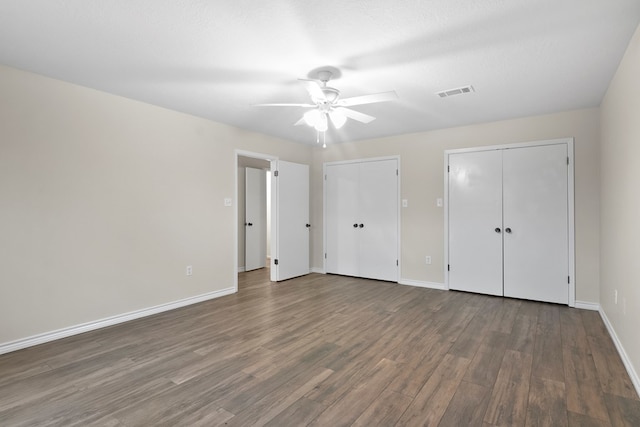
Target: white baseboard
x,y
240,269
109,321
635,379
317,270
421,284
584,305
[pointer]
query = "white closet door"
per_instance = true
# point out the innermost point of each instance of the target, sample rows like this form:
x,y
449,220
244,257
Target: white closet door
x,y
475,222
341,209
291,196
255,219
536,251
378,220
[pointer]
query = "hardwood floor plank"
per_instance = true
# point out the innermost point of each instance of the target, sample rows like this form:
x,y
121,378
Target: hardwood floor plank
x,y
384,411
346,410
547,405
584,395
467,407
332,350
429,405
611,371
508,404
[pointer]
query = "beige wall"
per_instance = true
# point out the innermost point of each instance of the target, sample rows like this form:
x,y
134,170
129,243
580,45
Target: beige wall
x,y
104,201
620,209
422,181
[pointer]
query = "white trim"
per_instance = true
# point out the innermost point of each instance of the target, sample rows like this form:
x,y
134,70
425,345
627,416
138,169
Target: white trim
x,y
585,305
317,270
240,269
398,203
109,321
635,379
421,284
570,203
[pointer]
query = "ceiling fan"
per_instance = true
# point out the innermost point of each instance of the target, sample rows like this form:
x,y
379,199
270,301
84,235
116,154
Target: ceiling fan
x,y
328,106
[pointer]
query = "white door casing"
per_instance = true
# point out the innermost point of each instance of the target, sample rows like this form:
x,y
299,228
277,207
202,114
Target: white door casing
x,y
255,219
290,195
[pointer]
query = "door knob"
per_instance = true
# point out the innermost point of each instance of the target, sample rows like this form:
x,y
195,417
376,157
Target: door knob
x,y
497,229
507,230
361,225
250,224
355,225
308,225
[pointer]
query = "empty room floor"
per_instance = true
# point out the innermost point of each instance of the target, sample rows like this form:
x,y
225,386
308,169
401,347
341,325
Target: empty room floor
x,y
329,350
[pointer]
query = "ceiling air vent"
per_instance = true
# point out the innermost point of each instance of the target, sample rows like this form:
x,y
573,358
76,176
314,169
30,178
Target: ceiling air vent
x,y
456,91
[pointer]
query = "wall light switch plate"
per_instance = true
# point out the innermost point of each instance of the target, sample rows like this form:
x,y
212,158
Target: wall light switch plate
x,y
405,203
227,201
439,202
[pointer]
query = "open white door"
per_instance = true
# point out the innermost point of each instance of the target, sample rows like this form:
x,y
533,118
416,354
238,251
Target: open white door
x,y
255,219
290,224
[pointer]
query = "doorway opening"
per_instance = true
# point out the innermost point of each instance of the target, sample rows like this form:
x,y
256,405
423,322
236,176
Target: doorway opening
x,y
253,212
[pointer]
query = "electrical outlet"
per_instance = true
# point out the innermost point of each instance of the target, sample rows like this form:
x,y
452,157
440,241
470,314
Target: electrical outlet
x,y
227,201
405,203
615,296
189,270
439,202
427,260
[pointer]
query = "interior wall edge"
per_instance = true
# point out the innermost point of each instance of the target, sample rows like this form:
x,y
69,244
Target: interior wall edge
x,y
635,379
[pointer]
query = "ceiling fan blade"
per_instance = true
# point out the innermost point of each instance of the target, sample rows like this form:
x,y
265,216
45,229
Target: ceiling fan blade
x,y
300,122
313,87
368,99
284,105
356,115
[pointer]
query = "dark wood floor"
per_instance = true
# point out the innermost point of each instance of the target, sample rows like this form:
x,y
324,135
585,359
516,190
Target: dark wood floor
x,y
329,351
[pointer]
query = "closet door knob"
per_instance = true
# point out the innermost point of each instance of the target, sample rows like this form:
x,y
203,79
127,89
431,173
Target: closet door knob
x,y
361,226
250,224
497,229
507,230
308,225
355,225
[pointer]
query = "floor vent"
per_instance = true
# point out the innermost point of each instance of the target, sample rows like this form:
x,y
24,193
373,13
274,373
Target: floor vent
x,y
456,91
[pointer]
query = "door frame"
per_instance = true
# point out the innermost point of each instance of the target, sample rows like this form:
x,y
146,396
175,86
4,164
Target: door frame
x,y
242,153
324,206
570,202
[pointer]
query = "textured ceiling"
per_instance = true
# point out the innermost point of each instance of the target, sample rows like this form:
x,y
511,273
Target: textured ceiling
x,y
216,58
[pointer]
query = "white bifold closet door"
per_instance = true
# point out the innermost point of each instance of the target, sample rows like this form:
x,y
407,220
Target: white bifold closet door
x,y
361,227
508,222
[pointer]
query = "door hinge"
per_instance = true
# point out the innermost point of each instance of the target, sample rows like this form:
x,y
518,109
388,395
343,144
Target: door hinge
x,y
325,177
397,263
568,279
447,168
275,261
567,160
275,173
396,172
448,267
325,255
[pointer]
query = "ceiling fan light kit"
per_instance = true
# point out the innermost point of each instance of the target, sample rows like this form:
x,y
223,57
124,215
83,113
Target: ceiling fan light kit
x,y
328,107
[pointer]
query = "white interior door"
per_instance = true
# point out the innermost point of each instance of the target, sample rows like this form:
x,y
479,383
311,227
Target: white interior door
x,y
378,220
536,249
341,219
255,220
475,222
290,193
